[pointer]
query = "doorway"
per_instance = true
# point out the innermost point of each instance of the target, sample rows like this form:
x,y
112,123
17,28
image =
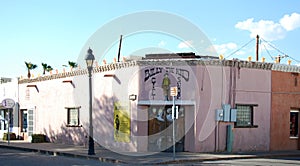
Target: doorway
x,y
160,129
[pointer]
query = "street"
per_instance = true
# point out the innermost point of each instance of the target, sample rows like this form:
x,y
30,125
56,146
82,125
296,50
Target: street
x,y
10,157
284,161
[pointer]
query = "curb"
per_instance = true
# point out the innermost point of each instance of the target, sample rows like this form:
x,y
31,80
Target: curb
x,y
55,153
176,161
246,156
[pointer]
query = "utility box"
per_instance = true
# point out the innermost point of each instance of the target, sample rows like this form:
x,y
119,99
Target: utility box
x,y
219,115
233,115
226,109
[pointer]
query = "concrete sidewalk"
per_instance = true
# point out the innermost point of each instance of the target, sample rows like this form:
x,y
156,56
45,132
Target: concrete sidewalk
x,y
105,155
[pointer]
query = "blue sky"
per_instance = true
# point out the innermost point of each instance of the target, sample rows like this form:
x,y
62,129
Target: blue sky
x,y
55,32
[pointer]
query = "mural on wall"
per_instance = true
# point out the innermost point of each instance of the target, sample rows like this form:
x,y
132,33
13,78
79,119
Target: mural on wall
x,y
121,122
156,73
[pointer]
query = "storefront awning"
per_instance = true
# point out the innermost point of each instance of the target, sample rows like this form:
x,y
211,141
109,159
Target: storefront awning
x,y
161,102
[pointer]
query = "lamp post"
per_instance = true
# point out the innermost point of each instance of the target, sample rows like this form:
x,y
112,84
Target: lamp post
x,y
89,58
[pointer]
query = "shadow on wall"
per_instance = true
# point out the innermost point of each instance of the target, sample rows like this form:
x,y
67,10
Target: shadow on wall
x,y
104,128
104,131
67,135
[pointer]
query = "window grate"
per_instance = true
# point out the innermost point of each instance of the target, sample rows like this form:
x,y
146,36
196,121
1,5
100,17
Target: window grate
x,y
244,115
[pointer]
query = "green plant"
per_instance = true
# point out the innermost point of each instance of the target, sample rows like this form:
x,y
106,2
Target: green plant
x,y
30,66
12,136
46,67
38,138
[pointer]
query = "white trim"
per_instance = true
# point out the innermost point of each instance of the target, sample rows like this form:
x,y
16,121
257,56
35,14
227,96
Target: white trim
x,y
294,137
294,111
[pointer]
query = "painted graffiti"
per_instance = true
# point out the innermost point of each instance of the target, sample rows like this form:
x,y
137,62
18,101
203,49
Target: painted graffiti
x,y
153,87
181,75
152,72
185,74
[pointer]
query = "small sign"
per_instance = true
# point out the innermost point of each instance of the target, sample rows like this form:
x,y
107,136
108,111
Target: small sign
x,y
174,112
173,91
8,103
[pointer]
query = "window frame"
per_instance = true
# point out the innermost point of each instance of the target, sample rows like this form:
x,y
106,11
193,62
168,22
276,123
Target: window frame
x,y
297,123
69,124
252,125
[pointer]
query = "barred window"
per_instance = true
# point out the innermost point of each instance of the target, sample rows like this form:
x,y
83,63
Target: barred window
x,y
294,123
244,117
73,116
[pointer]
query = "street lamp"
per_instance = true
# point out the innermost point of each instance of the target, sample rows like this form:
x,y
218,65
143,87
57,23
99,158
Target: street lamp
x,y
89,58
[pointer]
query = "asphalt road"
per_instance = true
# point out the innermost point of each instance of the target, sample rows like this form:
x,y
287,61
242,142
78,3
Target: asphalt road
x,y
10,157
286,161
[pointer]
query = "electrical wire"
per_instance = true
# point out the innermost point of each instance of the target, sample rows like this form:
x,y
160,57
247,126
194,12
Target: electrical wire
x,y
271,45
239,48
294,59
268,52
284,55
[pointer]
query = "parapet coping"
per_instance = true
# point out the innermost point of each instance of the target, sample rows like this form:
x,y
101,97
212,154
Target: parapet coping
x,y
169,62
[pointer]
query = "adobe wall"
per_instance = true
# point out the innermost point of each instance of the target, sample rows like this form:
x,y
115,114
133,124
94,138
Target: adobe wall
x,y
233,85
285,96
212,84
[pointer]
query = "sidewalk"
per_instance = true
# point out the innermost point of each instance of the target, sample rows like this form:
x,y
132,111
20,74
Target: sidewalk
x,y
137,158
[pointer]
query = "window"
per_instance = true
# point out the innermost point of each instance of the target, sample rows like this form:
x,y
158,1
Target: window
x,y
73,116
294,115
244,116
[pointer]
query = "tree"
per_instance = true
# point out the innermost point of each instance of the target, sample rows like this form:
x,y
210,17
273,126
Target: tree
x,y
46,68
30,66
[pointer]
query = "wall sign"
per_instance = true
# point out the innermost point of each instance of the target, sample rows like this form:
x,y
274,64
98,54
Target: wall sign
x,y
154,74
8,103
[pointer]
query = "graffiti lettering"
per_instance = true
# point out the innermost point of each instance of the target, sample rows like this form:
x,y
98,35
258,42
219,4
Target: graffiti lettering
x,y
185,74
179,88
152,72
153,87
170,69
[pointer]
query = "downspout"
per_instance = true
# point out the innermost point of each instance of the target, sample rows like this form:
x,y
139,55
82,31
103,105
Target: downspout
x,y
217,133
234,83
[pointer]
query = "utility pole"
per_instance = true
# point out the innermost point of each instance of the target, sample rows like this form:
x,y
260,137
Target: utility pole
x,y
120,45
257,47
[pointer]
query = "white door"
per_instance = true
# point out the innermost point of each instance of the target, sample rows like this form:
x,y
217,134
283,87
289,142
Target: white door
x,y
30,122
3,123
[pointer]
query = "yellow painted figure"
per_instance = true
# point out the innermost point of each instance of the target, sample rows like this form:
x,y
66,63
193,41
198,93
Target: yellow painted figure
x,y
121,122
166,86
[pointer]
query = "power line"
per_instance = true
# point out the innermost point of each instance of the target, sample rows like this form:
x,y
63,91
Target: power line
x,y
281,52
239,48
268,52
294,59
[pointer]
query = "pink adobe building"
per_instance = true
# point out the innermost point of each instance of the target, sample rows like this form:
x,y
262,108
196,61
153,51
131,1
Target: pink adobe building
x,y
285,108
222,105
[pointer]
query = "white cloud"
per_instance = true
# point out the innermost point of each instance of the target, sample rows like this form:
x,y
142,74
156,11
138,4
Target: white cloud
x,y
240,53
290,22
225,48
269,30
185,44
162,43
